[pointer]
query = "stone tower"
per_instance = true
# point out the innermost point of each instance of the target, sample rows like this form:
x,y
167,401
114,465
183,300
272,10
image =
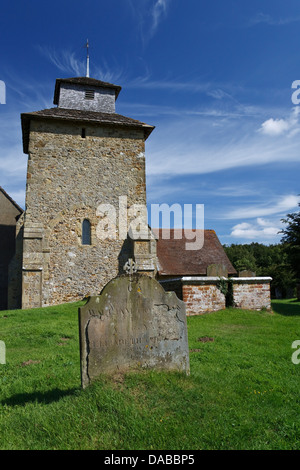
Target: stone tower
x,y
81,154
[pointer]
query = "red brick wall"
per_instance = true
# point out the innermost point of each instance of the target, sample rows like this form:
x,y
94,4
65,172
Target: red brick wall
x,y
253,295
202,298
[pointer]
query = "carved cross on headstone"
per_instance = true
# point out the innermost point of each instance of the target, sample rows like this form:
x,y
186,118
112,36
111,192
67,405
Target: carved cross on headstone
x,y
130,267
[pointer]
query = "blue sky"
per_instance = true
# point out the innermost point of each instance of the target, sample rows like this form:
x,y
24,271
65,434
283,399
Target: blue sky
x,y
215,78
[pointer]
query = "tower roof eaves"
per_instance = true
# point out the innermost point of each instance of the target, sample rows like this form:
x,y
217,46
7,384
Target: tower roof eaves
x,y
74,115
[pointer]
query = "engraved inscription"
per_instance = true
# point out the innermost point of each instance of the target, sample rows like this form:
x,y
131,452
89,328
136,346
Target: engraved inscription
x,y
104,343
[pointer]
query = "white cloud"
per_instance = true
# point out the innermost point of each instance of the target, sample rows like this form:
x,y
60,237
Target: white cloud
x,y
281,206
275,127
242,226
262,222
262,230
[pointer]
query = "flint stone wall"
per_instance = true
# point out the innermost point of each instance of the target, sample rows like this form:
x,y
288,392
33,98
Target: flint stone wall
x,y
68,177
134,323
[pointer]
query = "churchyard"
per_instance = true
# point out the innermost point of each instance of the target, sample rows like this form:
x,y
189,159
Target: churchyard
x,y
242,391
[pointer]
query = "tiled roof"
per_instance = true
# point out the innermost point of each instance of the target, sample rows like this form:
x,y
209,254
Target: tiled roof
x,y
85,81
175,260
76,115
11,200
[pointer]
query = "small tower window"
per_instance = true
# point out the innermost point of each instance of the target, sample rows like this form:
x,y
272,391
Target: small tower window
x,y
83,133
86,232
89,95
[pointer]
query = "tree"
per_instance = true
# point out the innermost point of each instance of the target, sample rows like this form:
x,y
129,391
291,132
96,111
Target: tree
x,y
265,260
291,240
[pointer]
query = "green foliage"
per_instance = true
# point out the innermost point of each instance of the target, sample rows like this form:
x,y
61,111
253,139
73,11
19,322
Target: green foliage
x,y
226,287
265,260
291,240
242,392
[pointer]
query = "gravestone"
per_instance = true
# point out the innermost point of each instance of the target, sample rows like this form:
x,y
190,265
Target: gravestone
x,y
132,324
215,270
247,273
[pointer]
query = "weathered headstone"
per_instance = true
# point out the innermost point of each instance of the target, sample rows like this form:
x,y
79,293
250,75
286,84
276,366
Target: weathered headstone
x,y
247,273
217,270
132,324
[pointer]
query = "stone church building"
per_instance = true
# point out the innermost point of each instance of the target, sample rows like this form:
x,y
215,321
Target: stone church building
x,y
10,211
82,158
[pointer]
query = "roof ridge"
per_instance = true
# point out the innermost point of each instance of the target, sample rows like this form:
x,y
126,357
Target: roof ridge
x,y
81,112
177,258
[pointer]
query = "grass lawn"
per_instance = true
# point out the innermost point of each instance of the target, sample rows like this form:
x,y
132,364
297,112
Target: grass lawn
x,y
242,392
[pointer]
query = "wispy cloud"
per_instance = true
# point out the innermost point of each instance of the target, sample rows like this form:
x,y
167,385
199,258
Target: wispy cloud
x,y
280,206
216,131
270,20
158,12
219,101
67,62
13,164
148,15
212,143
64,60
26,94
171,85
263,221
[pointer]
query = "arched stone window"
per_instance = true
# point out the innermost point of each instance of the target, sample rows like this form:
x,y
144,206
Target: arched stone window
x,y
86,232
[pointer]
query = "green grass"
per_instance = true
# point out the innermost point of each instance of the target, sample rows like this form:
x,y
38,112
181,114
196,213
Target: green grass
x,y
242,392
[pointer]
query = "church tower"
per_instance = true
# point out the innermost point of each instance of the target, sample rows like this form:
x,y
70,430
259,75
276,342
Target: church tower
x,y
82,155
